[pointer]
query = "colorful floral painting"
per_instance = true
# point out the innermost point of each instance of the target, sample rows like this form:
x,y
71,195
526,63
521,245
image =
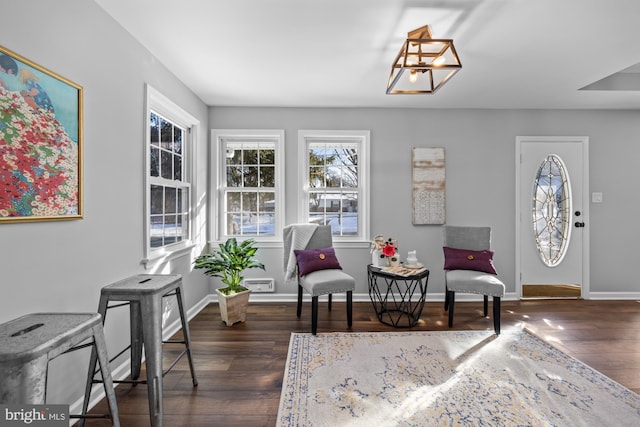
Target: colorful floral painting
x,y
40,142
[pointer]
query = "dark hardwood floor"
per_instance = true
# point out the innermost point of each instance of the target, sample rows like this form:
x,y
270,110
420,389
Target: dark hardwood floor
x,y
240,368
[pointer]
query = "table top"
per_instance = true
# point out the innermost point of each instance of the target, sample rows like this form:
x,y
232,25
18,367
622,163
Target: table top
x,y
399,272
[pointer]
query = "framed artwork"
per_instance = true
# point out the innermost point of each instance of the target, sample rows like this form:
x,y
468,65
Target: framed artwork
x,y
428,192
40,142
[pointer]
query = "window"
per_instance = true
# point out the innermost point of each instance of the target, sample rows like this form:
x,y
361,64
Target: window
x,y
551,210
250,183
335,176
169,220
169,183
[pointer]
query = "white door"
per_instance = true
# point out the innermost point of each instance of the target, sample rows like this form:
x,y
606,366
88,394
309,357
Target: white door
x,y
552,212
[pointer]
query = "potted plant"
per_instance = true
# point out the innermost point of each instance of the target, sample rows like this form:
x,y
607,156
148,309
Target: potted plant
x,y
228,262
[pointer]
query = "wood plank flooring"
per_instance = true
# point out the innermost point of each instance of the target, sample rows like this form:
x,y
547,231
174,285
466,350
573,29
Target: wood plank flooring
x,y
240,368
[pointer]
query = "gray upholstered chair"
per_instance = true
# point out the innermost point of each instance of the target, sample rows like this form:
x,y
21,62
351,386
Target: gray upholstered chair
x,y
468,280
320,282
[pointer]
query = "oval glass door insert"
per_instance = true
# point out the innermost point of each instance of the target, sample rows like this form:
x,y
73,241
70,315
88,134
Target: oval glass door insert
x,y
552,210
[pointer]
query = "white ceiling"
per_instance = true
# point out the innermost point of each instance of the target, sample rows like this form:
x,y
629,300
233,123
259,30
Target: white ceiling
x,y
338,53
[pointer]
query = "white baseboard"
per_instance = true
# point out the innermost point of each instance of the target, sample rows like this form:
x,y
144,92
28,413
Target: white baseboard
x,y
614,295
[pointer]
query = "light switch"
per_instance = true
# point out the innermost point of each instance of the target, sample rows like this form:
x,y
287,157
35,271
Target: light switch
x,y
596,197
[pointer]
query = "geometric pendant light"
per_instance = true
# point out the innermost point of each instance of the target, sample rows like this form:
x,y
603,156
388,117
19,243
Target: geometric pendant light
x,y
423,64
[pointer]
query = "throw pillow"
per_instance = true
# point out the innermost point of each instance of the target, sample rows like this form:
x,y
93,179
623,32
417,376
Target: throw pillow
x,y
466,259
310,260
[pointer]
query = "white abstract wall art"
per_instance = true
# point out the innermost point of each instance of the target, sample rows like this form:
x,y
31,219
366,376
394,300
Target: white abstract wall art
x,y
428,176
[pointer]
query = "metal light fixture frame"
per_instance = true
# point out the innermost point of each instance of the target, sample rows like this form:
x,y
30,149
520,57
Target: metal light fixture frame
x,y
420,54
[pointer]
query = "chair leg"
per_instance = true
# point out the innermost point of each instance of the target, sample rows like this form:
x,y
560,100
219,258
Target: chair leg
x,y
314,315
446,299
299,310
330,295
486,305
496,315
452,298
349,308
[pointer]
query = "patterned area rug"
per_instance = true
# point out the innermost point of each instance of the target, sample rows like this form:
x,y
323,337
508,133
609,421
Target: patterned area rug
x,y
466,378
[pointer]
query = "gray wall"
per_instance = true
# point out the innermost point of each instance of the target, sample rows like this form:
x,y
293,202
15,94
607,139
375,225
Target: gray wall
x,y
61,266
480,173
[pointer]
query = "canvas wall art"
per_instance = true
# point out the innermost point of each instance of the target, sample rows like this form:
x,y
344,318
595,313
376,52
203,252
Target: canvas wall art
x,y
428,174
40,142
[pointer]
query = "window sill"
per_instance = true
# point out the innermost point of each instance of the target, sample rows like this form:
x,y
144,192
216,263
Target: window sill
x,y
158,257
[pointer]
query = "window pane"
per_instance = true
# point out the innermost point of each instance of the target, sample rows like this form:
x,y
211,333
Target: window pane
x,y
267,201
316,203
250,202
169,229
266,224
233,201
349,202
235,153
154,162
166,164
333,177
267,176
233,224
166,133
316,176
317,219
551,213
177,140
251,176
170,200
157,197
350,177
156,231
184,226
316,156
348,225
177,168
154,131
250,157
234,176
268,157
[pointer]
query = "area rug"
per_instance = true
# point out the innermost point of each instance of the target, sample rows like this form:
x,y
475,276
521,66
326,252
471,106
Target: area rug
x,y
460,378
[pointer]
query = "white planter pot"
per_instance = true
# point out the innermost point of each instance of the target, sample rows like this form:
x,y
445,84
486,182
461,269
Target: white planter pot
x,y
233,308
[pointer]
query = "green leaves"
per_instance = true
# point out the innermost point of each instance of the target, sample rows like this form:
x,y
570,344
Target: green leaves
x,y
229,261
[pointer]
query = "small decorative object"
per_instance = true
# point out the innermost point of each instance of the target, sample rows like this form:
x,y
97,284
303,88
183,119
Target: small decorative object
x,y
412,258
382,250
228,262
394,260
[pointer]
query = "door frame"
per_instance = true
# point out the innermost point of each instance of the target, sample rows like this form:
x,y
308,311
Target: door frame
x,y
584,140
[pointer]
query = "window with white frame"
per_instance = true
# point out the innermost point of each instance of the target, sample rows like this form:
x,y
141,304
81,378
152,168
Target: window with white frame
x,y
168,180
334,174
250,183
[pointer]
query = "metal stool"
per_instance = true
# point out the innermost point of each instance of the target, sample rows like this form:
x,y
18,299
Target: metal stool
x,y
28,343
144,294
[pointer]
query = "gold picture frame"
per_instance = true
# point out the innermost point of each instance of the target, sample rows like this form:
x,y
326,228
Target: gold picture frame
x,y
40,142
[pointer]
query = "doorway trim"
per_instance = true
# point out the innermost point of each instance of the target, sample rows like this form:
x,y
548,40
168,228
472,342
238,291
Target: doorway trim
x,y
584,140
